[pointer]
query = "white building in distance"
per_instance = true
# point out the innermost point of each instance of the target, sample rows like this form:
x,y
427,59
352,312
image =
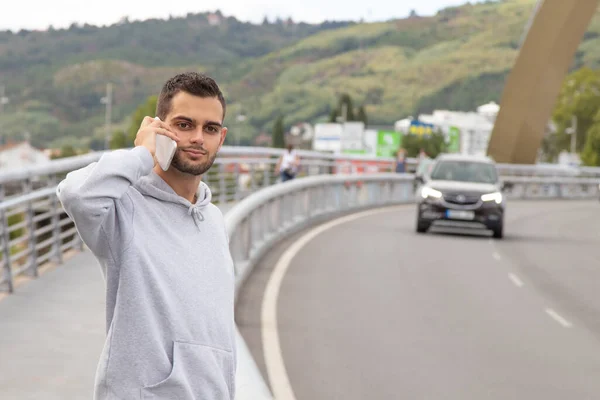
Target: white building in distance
x,y
20,155
475,127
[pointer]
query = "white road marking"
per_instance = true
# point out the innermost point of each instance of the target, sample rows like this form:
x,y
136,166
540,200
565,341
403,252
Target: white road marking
x,y
515,279
496,256
278,378
558,318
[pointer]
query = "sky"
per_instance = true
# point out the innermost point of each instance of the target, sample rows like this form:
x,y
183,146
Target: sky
x,y
39,14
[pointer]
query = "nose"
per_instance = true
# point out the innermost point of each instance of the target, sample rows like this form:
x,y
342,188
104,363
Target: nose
x,y
197,136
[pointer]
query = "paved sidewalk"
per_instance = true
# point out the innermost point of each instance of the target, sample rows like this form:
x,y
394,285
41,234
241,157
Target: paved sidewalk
x,y
52,333
52,330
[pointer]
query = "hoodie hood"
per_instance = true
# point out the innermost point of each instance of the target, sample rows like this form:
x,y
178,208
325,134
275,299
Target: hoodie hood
x,y
154,186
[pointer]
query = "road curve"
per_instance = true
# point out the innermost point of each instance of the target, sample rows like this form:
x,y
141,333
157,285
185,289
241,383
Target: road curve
x,y
371,310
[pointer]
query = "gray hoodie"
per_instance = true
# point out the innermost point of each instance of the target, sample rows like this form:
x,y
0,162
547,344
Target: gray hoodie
x,y
169,281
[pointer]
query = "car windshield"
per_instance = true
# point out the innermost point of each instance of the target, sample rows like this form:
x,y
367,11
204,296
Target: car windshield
x,y
464,171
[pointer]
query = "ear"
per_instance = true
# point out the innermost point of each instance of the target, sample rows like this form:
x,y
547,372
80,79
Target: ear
x,y
223,135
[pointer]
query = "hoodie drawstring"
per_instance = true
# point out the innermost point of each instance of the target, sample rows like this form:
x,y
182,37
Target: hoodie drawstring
x,y
196,215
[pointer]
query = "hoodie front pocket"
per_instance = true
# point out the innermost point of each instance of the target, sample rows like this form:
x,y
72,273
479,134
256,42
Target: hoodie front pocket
x,y
199,373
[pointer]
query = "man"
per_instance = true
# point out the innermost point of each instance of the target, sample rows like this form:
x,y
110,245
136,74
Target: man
x,y
164,253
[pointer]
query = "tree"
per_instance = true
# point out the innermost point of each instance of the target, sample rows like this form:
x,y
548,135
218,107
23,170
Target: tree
x,y
579,97
344,105
65,151
147,109
591,151
278,134
96,144
433,144
333,115
362,115
550,148
118,140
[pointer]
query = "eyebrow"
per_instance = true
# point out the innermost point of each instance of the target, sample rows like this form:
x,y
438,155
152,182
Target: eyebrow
x,y
213,123
193,121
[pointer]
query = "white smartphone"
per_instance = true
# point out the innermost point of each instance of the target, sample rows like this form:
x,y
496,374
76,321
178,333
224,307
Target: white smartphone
x,y
165,150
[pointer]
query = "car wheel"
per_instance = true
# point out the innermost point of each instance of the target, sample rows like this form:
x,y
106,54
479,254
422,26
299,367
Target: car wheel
x,y
499,232
422,226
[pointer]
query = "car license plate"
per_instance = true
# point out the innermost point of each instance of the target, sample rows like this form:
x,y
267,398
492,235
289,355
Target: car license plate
x,y
460,214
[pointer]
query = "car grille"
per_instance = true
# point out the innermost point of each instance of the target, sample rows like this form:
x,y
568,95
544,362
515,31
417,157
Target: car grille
x,y
462,198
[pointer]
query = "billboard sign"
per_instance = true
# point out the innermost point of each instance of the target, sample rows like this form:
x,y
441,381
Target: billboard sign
x,y
388,143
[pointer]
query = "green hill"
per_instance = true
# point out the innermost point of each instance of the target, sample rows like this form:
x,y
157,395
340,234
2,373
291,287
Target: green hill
x,y
456,59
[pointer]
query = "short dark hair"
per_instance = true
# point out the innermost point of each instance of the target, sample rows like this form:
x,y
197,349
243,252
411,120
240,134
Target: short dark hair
x,y
193,83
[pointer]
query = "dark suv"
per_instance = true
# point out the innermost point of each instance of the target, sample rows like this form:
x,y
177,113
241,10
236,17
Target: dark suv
x,y
462,191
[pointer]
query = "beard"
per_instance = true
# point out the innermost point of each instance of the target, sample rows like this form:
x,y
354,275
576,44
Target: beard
x,y
191,167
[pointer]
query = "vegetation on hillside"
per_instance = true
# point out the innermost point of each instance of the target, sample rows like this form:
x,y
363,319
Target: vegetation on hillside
x,y
457,59
56,78
579,99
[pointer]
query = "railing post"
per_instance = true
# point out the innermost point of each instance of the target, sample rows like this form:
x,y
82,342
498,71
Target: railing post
x,y
249,238
222,186
6,245
57,255
267,175
252,177
236,175
33,265
266,220
26,186
310,191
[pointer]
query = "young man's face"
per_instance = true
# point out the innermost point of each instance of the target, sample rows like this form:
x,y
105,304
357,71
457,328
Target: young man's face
x,y
198,122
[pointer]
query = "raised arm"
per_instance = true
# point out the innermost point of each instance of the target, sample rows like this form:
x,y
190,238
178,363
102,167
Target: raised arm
x,y
89,195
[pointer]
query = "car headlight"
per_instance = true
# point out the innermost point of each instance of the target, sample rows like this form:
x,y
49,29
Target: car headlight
x,y
496,196
429,192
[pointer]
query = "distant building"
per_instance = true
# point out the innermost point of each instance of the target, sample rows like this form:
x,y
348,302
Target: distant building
x,y
263,140
214,19
475,128
20,155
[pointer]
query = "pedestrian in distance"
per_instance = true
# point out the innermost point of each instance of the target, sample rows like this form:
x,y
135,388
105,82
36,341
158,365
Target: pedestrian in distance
x,y
288,164
401,161
164,253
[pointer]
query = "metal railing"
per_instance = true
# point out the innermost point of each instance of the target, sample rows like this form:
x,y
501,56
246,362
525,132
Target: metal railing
x,y
270,214
563,188
254,167
35,229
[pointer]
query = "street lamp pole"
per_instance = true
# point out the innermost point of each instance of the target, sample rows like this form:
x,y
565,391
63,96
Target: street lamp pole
x,y
108,115
3,101
3,98
240,120
572,130
574,135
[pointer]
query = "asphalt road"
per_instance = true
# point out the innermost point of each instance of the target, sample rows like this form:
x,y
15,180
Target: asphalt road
x,y
371,310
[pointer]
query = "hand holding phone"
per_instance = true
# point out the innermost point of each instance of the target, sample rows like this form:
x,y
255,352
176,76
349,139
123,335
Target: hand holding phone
x,y
165,150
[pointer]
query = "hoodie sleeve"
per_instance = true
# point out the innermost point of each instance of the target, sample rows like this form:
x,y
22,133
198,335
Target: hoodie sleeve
x,y
90,196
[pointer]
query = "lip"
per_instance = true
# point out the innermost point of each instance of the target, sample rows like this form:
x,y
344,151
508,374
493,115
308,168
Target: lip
x,y
195,152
